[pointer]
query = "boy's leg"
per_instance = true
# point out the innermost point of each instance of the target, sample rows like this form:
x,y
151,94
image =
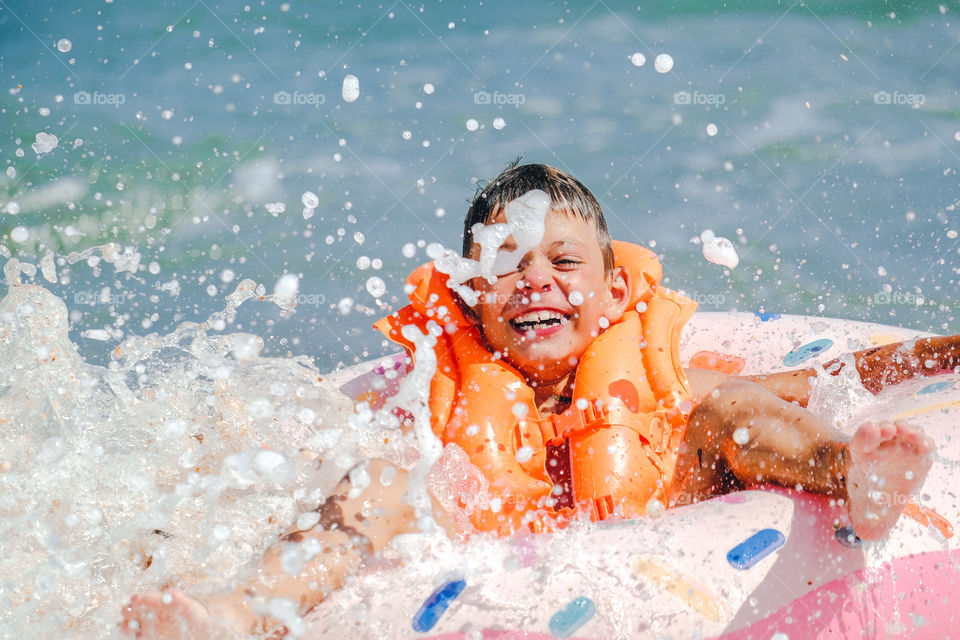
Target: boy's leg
x,y
781,440
350,529
742,434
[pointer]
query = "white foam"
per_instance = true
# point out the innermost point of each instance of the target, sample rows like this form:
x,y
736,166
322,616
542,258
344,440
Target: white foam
x,y
163,440
525,221
719,250
839,399
45,143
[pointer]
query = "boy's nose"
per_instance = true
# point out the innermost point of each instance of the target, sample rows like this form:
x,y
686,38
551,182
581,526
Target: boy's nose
x,y
536,278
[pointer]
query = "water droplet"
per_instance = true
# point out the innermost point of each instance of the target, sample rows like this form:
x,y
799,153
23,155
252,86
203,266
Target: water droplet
x,y
499,123
19,234
287,286
472,124
64,45
575,298
428,88
310,199
663,63
712,129
376,286
741,436
638,59
351,88
275,208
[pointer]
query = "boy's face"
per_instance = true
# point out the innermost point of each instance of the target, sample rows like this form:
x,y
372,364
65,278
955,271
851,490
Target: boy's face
x,y
542,317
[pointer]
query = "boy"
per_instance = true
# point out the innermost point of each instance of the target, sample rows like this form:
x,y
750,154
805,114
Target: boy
x,y
542,318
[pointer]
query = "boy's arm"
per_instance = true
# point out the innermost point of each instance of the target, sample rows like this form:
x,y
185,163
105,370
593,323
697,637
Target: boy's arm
x,y
879,367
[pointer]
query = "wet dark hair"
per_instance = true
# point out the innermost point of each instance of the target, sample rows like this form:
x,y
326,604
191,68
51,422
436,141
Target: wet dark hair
x,y
566,194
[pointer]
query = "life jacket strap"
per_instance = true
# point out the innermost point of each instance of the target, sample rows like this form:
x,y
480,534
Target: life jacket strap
x,y
558,427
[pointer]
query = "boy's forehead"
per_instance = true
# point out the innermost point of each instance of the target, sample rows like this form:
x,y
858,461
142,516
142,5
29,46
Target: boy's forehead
x,y
500,214
555,217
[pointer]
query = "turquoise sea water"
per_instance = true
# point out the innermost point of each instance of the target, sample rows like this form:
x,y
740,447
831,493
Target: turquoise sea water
x,y
831,165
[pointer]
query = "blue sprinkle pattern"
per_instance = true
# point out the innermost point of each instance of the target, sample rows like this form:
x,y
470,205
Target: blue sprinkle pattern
x,y
766,316
805,352
565,622
755,548
434,606
934,387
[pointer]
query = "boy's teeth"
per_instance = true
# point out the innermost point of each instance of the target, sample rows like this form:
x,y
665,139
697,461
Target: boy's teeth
x,y
539,319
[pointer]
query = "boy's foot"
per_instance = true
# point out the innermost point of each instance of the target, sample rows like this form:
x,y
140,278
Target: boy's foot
x,y
887,463
169,615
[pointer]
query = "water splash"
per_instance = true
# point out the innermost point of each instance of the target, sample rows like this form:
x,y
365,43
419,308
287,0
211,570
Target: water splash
x,y
179,462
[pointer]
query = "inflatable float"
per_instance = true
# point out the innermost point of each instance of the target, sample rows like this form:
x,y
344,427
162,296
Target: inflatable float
x,y
768,563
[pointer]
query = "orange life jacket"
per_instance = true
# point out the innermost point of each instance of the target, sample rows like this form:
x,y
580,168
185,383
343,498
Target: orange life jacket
x,y
631,401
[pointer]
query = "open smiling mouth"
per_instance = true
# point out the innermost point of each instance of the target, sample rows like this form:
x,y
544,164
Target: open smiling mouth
x,y
537,320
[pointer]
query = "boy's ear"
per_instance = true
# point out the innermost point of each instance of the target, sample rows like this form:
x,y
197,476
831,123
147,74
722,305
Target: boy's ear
x,y
620,289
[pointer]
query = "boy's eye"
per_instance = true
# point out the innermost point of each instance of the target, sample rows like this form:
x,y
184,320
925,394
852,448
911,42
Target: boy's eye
x,y
568,262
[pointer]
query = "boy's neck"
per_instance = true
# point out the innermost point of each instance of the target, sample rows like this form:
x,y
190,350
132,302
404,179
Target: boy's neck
x,y
554,397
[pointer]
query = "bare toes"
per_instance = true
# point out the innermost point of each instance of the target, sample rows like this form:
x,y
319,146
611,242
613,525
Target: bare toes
x,y
866,438
887,430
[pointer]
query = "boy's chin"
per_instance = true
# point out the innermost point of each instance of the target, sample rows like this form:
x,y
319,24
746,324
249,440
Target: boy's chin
x,y
544,372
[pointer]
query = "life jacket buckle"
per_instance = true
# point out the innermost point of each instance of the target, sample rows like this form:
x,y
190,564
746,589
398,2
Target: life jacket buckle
x,y
557,428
